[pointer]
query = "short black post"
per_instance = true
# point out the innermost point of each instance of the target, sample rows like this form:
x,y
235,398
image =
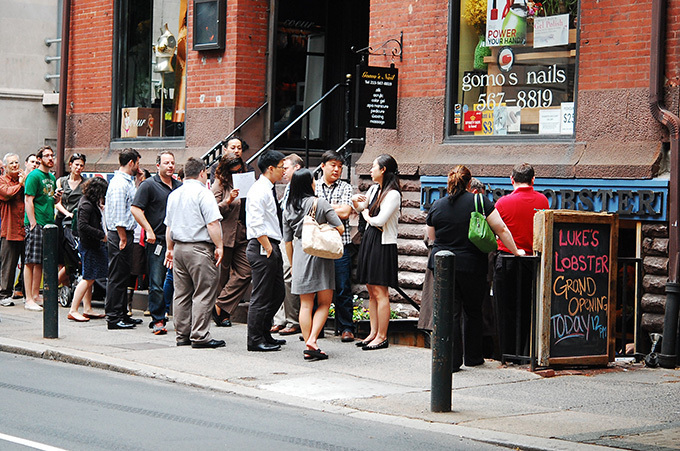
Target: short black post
x,y
442,343
50,283
668,357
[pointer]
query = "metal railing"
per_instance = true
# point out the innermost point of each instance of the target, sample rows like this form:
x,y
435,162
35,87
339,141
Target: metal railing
x,y
213,155
304,114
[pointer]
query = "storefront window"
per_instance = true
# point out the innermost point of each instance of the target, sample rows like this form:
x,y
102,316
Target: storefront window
x,y
513,68
151,94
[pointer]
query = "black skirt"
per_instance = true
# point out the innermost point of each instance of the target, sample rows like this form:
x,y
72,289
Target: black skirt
x,y
377,262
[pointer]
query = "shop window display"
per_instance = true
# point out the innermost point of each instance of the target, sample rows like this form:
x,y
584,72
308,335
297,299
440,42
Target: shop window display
x,y
151,94
513,68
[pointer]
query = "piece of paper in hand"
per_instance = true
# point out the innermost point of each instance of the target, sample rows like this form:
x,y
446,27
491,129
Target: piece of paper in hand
x,y
243,182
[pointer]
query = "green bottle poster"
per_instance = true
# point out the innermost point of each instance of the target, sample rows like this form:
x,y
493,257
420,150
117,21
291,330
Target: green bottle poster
x,y
506,26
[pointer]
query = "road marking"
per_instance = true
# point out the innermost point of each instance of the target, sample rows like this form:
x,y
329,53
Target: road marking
x,y
29,443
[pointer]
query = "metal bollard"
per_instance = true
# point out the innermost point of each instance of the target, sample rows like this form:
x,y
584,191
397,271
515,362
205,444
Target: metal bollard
x,y
668,356
50,283
442,343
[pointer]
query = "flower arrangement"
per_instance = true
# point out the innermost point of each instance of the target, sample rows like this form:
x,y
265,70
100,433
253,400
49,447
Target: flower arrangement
x,y
475,14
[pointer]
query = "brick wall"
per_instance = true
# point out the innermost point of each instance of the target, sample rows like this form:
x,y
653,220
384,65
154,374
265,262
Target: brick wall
x,y
425,27
90,56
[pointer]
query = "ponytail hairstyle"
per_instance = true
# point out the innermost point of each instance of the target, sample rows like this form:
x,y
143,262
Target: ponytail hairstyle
x,y
459,179
390,180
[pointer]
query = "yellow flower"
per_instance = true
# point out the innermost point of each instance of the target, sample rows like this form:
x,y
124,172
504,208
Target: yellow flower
x,y
474,13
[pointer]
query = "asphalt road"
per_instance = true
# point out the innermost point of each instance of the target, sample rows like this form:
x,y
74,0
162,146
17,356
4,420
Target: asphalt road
x,y
51,404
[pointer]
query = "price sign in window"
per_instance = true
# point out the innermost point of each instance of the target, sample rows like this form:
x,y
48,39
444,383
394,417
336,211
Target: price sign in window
x,y
515,62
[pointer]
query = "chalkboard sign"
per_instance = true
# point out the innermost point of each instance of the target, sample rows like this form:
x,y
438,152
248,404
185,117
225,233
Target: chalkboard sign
x,y
376,98
578,283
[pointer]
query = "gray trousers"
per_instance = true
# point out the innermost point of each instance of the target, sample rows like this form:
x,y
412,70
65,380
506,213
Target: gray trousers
x,y
9,256
234,273
194,274
289,312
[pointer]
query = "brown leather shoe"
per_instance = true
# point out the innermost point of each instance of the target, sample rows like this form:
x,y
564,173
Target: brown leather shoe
x,y
290,330
275,329
347,337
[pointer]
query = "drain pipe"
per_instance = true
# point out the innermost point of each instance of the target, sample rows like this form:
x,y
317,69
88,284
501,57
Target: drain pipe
x,y
63,86
668,355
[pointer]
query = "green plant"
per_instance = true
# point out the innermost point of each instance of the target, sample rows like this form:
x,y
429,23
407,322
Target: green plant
x,y
359,312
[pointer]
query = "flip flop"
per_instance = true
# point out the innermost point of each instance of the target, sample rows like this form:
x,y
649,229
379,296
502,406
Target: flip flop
x,y
315,354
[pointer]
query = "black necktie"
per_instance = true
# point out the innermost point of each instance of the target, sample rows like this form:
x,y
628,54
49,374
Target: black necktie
x,y
279,212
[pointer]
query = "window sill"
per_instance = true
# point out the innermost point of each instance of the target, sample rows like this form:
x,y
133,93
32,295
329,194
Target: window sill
x,y
148,143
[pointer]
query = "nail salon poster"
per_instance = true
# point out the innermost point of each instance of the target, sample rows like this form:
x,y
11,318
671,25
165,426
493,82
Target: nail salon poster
x,y
506,23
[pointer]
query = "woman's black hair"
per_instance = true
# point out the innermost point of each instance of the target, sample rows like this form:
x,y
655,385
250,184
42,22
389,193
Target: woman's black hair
x,y
390,180
94,189
77,156
225,167
301,186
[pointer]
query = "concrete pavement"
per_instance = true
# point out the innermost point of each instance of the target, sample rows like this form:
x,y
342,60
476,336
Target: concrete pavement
x,y
626,406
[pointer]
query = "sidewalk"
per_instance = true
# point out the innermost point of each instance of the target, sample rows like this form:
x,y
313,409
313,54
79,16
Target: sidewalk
x,y
627,406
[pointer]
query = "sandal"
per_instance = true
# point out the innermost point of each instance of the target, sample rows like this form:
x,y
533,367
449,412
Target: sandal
x,y
315,354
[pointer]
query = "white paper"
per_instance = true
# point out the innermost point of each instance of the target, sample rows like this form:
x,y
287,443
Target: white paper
x,y
551,31
514,119
243,182
567,115
549,122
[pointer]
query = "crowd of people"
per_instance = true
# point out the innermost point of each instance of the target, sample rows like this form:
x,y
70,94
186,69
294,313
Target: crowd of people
x,y
205,244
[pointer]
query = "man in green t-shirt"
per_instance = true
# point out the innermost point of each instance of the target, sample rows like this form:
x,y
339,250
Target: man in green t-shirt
x,y
40,196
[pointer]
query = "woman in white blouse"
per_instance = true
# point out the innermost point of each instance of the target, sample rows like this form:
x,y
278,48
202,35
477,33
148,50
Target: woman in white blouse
x,y
377,261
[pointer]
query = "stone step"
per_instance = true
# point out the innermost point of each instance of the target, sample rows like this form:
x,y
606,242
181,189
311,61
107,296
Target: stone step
x,y
413,263
411,247
411,231
408,279
411,215
395,297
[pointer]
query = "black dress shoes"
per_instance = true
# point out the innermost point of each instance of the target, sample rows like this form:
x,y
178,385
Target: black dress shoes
x,y
263,347
120,325
382,345
133,321
275,341
209,344
186,342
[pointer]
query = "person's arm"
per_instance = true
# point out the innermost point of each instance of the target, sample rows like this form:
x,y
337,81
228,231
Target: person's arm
x,y
389,205
170,247
122,236
215,232
289,251
84,228
331,216
30,210
430,234
344,207
501,230
140,217
224,202
7,191
59,206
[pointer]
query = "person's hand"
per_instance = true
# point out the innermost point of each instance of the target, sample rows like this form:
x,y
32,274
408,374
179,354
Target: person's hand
x,y
105,239
168,259
521,252
359,198
219,253
22,177
57,195
123,243
233,194
269,250
32,224
150,236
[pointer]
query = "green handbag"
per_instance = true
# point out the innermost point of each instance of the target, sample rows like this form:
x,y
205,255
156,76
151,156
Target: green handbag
x,y
480,233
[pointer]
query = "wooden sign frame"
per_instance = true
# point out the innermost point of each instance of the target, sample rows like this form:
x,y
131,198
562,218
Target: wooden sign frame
x,y
544,227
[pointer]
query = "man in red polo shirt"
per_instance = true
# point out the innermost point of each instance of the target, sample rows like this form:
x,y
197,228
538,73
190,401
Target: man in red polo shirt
x,y
517,210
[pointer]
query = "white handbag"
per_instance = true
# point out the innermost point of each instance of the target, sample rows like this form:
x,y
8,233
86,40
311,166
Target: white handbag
x,y
320,240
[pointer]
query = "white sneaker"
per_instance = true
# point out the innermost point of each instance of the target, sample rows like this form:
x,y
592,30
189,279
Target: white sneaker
x,y
7,302
33,307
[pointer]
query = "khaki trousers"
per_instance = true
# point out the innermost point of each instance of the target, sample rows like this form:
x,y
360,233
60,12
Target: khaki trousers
x,y
194,274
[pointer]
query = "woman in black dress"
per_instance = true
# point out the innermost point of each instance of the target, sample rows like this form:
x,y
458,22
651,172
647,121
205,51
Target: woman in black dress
x,y
377,261
448,224
92,247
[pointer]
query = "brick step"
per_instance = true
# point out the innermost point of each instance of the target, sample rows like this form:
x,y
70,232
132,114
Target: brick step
x,y
408,279
411,231
411,215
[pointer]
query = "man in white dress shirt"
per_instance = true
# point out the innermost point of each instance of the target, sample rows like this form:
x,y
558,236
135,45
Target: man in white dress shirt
x,y
194,252
263,226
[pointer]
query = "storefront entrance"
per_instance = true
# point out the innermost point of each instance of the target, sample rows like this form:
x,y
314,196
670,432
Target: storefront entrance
x,y
312,53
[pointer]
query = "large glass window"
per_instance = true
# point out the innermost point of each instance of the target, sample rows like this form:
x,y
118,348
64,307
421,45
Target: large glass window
x,y
512,70
151,94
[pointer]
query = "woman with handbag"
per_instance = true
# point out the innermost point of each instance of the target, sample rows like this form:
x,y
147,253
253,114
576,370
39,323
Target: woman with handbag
x,y
312,276
448,225
377,260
